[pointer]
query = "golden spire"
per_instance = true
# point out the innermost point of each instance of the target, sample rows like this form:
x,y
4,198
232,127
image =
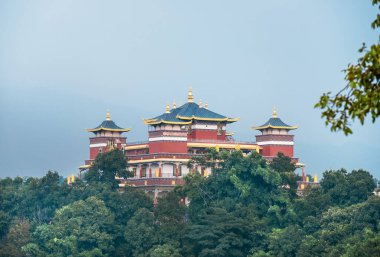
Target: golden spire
x,y
174,105
108,115
190,97
200,103
274,115
167,108
206,105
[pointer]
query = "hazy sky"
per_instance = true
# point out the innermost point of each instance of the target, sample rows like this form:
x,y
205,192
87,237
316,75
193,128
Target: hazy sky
x,y
64,63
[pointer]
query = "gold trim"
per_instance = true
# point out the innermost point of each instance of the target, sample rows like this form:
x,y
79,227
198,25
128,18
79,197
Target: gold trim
x,y
134,147
276,127
167,122
86,166
190,97
207,119
108,129
226,146
158,160
108,115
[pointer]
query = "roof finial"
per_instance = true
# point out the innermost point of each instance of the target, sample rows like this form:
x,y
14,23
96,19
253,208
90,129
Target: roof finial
x,y
206,105
190,97
174,104
167,108
108,115
200,103
274,115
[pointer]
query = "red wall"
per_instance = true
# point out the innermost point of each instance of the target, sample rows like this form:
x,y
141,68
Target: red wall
x,y
167,147
94,151
272,150
203,134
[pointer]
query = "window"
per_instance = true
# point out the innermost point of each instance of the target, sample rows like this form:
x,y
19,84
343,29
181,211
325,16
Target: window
x,y
143,171
134,170
175,170
220,129
180,170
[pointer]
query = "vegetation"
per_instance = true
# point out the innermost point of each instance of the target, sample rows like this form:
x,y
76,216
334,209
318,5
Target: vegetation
x,y
361,96
245,208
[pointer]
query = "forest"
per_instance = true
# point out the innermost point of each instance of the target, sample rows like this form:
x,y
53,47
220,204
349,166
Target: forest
x,y
246,207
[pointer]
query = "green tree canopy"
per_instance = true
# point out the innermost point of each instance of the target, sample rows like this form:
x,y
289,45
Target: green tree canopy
x,y
107,166
83,228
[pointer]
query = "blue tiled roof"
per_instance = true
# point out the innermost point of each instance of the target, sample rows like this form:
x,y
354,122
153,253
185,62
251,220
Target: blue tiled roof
x,y
190,110
187,112
168,117
109,125
275,123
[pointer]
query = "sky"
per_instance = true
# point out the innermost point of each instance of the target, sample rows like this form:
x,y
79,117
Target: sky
x,y
63,64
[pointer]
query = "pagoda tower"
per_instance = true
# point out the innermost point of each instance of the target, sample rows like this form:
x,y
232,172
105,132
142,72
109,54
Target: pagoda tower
x,y
167,133
107,136
172,131
275,137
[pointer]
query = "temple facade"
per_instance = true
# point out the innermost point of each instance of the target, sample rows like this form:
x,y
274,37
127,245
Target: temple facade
x,y
180,133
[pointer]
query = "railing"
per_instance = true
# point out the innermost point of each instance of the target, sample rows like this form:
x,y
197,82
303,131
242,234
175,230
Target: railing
x,y
219,141
199,141
169,176
162,155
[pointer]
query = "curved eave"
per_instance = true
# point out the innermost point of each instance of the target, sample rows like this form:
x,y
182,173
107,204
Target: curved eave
x,y
167,122
109,129
147,121
275,127
207,119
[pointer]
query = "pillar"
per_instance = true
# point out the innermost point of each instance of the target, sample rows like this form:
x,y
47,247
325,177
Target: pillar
x,y
150,170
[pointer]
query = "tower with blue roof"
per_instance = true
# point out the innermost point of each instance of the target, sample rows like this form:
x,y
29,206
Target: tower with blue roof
x,y
275,137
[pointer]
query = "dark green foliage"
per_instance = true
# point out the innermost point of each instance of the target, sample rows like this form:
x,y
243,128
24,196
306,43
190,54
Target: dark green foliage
x,y
17,236
344,188
286,167
83,228
241,209
218,233
140,233
165,250
282,163
107,166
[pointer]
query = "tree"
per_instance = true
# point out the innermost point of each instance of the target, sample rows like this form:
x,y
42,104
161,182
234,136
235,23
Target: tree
x,y
165,250
140,233
286,167
107,166
219,233
18,236
170,217
285,242
361,96
344,188
82,228
282,163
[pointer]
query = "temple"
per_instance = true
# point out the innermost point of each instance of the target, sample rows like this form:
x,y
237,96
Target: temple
x,y
179,134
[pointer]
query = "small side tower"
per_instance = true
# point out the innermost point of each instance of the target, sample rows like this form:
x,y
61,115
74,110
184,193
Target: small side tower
x,y
107,136
275,137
